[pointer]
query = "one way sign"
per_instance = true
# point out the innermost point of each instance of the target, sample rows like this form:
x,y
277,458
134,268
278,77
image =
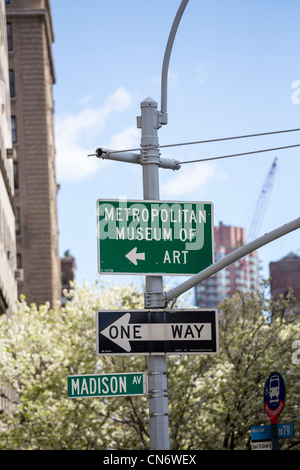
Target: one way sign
x,y
146,332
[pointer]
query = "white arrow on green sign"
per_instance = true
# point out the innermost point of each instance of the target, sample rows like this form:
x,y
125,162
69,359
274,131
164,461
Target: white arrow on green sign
x,y
154,237
108,385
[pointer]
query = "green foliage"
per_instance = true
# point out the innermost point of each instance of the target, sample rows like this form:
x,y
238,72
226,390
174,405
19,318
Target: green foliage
x,y
255,340
213,399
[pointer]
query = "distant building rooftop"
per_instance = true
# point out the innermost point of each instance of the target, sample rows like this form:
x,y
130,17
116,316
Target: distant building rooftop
x,y
285,274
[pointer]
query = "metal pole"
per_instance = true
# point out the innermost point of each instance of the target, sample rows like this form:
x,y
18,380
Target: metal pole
x,y
157,368
274,434
172,294
130,157
165,67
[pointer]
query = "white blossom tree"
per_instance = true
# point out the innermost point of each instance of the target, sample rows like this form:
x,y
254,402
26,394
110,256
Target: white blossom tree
x,y
213,400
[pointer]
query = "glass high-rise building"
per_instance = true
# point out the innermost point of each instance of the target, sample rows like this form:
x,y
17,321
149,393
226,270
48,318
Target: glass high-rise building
x,y
240,275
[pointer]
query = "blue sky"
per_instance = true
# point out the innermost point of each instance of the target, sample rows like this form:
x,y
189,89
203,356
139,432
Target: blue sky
x,y
234,70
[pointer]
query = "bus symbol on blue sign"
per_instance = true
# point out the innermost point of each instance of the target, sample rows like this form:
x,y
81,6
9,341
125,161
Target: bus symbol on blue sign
x,y
274,395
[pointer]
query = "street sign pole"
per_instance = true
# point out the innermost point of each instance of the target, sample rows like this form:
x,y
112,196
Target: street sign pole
x,y
151,121
274,402
274,436
157,367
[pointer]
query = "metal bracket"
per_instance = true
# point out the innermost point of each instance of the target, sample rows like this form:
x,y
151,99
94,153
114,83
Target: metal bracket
x,y
155,393
137,158
155,300
150,155
163,118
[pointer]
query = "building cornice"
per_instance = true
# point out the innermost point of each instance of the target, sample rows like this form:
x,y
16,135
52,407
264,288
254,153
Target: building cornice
x,y
45,15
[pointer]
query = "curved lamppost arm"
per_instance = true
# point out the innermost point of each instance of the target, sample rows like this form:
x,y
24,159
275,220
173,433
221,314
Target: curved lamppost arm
x,y
165,67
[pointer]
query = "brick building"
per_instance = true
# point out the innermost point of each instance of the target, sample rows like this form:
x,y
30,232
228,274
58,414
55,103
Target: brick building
x,y
31,73
243,274
68,269
285,274
8,286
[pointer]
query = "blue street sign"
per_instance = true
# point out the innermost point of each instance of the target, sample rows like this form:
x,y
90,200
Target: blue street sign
x,y
262,433
285,430
274,395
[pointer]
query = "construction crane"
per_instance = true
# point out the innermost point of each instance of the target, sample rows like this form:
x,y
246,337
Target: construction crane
x,y
262,202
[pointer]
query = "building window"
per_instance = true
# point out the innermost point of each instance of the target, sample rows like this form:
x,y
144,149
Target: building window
x,y
16,175
3,304
9,36
64,279
12,83
7,2
18,221
14,129
19,261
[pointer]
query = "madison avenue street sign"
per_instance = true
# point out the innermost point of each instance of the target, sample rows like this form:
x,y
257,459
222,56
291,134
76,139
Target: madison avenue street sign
x,y
157,332
154,237
108,385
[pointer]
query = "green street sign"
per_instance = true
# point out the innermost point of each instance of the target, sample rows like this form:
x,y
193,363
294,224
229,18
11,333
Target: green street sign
x,y
108,385
154,237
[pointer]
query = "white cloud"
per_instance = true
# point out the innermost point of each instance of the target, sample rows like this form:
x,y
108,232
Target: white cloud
x,y
75,133
85,99
201,74
127,139
193,178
